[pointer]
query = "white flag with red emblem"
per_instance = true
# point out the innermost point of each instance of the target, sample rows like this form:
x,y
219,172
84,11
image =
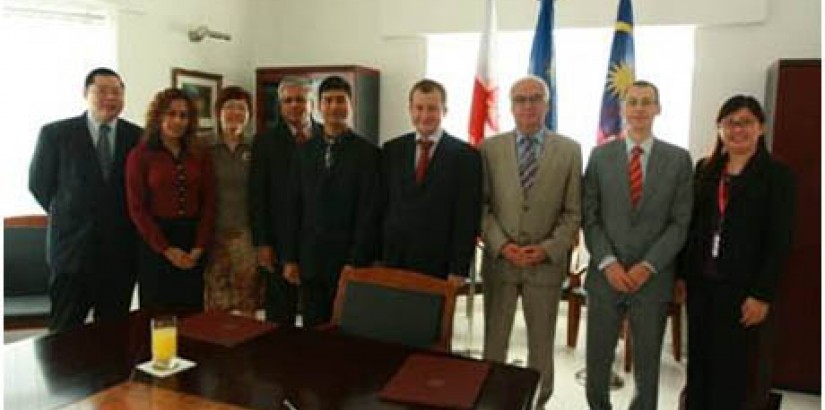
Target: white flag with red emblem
x,y
484,111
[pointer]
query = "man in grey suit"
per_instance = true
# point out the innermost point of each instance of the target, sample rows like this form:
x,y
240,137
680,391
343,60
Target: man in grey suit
x,y
531,214
637,202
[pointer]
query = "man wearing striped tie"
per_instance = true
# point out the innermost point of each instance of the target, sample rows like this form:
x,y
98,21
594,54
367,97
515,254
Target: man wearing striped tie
x,y
531,215
637,202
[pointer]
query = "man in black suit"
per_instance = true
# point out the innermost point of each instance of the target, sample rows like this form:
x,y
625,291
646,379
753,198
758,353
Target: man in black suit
x,y
77,176
332,219
272,154
432,188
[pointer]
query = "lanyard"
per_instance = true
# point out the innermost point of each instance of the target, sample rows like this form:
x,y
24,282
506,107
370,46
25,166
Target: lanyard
x,y
722,201
722,194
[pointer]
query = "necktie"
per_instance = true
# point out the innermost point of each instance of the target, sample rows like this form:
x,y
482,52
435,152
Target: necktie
x,y
329,160
301,136
104,155
527,163
634,171
423,159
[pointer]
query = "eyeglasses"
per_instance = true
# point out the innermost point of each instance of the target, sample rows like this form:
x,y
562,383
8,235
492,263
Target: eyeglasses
x,y
106,91
730,123
644,102
525,99
295,100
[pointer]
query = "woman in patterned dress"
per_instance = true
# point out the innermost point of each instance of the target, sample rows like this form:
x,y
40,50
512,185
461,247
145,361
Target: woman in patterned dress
x,y
232,279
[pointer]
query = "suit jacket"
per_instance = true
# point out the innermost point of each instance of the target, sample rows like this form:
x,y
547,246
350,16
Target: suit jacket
x,y
653,232
757,229
272,154
548,215
84,210
431,227
333,213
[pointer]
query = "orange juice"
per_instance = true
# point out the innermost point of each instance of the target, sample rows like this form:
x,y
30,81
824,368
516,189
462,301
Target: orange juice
x,y
164,347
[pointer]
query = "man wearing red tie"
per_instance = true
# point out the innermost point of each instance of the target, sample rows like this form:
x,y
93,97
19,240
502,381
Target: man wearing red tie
x,y
636,206
432,193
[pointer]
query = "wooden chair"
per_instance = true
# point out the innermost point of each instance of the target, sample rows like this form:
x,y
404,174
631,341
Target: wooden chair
x,y
395,305
577,297
26,282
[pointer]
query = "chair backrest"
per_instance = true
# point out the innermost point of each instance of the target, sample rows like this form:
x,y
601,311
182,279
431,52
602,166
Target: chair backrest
x,y
397,306
24,247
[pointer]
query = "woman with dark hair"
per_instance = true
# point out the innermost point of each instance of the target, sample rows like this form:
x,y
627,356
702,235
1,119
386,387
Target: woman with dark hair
x,y
739,240
171,198
232,279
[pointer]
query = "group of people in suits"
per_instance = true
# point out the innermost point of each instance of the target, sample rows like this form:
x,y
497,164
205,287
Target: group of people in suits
x,y
236,225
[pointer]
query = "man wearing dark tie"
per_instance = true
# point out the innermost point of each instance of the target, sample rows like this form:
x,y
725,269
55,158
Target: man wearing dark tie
x,y
77,176
272,153
432,193
637,203
332,217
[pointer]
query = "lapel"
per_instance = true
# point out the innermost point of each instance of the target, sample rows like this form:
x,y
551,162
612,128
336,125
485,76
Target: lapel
x,y
436,162
510,162
84,150
653,173
549,153
406,156
122,142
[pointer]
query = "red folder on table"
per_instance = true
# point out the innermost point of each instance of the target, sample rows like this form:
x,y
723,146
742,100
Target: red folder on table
x,y
222,328
439,381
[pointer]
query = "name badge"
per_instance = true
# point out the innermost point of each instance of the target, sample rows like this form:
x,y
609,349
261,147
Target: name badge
x,y
714,249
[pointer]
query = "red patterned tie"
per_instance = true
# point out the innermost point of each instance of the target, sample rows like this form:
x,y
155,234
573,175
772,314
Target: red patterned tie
x,y
635,175
423,159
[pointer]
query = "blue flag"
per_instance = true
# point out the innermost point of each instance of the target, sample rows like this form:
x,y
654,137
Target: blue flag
x,y
542,61
621,73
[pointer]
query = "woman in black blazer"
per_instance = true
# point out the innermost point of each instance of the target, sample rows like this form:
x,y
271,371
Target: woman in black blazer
x,y
739,240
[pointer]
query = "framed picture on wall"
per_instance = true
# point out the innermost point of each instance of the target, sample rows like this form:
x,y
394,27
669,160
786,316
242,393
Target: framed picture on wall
x,y
203,88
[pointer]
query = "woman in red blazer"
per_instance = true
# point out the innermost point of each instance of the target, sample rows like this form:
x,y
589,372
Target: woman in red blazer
x,y
171,198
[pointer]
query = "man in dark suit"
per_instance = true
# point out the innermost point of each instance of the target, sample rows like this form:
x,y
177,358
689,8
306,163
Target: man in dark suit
x,y
272,154
637,203
77,176
432,193
332,218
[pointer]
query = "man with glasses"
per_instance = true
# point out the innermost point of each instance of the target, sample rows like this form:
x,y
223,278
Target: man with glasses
x,y
637,202
77,176
531,215
272,155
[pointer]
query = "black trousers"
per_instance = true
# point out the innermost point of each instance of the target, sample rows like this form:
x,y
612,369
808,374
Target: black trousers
x,y
317,299
161,285
719,347
103,284
281,297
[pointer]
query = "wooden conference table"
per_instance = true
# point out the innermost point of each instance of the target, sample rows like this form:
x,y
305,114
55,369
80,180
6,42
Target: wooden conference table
x,y
309,369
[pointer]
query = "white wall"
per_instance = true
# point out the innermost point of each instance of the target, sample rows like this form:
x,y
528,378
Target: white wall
x,y
152,39
736,40
734,59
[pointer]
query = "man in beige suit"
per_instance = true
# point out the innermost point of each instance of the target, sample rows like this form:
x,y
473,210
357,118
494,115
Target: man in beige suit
x,y
531,215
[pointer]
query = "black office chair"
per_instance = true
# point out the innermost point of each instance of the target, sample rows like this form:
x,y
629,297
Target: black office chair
x,y
397,306
26,296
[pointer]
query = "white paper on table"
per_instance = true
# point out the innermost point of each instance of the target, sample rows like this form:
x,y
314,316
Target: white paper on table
x,y
180,365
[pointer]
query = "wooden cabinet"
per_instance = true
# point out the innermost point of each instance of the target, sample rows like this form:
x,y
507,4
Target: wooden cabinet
x,y
794,134
365,94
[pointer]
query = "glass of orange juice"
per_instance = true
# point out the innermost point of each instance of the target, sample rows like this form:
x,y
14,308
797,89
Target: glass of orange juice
x,y
164,342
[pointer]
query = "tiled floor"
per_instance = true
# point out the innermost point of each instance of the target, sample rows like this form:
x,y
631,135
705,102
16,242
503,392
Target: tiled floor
x,y
568,393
